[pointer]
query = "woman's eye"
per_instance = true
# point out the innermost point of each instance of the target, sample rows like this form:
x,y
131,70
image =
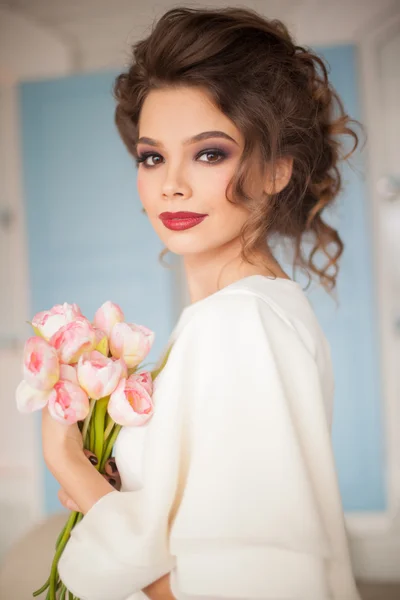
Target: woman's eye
x,y
144,159
212,156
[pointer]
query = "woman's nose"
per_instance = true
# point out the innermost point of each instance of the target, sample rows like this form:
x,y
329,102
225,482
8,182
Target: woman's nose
x,y
176,183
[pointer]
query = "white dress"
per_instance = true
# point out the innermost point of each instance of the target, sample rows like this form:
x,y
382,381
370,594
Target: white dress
x,y
231,486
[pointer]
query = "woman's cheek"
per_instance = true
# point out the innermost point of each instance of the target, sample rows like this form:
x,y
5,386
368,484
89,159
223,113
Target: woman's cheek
x,y
141,188
147,193
216,184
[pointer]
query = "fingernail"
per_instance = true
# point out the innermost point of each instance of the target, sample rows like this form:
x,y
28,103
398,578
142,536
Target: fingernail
x,y
93,460
113,466
112,481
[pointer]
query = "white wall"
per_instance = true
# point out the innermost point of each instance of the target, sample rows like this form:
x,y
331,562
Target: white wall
x,y
20,478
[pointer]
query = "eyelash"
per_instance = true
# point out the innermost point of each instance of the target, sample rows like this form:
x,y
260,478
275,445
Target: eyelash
x,y
143,157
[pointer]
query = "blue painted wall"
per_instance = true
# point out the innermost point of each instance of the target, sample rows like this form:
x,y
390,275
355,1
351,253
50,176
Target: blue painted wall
x,y
88,242
351,323
87,238
358,436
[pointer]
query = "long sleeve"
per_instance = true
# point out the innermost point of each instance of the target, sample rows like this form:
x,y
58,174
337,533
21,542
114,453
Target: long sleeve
x,y
240,498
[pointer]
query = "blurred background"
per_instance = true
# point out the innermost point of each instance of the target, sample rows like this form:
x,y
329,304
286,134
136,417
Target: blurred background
x,y
71,229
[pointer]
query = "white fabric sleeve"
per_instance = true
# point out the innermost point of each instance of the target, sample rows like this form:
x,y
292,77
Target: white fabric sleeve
x,y
115,550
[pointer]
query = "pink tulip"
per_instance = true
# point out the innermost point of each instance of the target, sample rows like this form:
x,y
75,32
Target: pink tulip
x,y
107,316
73,340
131,342
68,373
30,399
48,322
40,364
130,404
99,375
101,342
69,403
145,380
124,368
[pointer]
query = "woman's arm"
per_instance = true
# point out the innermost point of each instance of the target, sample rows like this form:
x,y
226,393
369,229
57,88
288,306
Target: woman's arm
x,y
86,486
160,589
64,456
81,482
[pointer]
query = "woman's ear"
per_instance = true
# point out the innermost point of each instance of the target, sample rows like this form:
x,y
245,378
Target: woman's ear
x,y
283,173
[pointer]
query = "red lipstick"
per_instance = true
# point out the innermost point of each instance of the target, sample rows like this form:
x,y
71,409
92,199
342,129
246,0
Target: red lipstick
x,y
179,221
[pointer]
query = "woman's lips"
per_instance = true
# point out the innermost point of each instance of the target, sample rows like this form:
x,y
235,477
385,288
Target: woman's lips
x,y
181,220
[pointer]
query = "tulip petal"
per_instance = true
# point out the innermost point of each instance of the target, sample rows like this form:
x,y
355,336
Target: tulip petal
x,y
69,403
145,380
72,340
101,342
68,373
48,322
107,316
99,375
130,405
131,342
30,399
40,364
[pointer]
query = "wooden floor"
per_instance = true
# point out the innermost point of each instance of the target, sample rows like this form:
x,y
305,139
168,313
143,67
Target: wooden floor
x,y
379,591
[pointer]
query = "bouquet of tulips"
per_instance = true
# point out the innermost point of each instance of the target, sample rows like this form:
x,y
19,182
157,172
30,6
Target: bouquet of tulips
x,y
86,373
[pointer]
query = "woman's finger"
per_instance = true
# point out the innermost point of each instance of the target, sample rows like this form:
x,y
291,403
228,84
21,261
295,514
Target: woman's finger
x,y
114,481
111,467
66,501
111,473
92,457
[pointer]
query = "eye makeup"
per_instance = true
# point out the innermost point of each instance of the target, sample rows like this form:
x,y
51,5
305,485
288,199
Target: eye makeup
x,y
220,153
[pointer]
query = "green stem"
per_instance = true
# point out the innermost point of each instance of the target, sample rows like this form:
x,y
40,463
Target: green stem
x,y
109,446
62,544
99,418
87,420
92,432
43,588
156,372
108,420
63,592
47,584
61,534
109,429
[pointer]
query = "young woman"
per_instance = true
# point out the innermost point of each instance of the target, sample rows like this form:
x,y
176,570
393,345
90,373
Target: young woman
x,y
230,490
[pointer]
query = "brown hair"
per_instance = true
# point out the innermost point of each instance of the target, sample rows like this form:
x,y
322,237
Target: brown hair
x,y
277,94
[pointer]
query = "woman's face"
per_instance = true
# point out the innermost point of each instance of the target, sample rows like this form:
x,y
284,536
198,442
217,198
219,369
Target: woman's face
x,y
179,171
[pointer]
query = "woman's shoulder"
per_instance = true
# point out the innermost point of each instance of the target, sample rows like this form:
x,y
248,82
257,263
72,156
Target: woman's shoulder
x,y
248,331
252,307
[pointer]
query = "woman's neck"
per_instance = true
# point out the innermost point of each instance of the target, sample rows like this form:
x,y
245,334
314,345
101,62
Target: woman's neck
x,y
206,274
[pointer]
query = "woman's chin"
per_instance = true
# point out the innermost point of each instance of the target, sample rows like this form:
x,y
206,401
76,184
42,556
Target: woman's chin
x,y
184,245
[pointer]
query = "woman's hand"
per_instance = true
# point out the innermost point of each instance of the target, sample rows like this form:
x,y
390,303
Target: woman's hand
x,y
111,475
64,456
59,441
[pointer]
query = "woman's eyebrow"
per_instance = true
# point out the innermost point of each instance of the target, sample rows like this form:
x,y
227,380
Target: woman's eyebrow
x,y
196,138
